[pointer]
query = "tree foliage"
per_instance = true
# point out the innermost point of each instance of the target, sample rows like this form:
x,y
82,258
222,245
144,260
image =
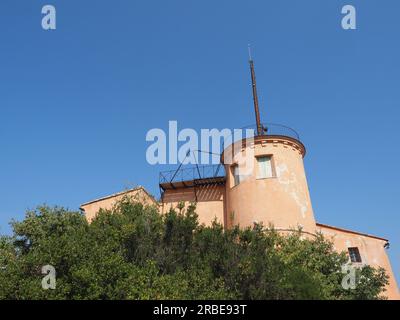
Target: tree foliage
x,y
134,252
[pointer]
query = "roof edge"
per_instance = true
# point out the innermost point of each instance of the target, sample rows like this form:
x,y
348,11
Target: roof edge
x,y
118,194
351,231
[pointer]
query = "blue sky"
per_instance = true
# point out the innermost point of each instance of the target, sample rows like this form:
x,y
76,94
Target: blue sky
x,y
76,103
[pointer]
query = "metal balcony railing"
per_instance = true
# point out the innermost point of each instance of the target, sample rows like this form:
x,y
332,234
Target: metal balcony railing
x,y
192,173
200,172
274,129
271,129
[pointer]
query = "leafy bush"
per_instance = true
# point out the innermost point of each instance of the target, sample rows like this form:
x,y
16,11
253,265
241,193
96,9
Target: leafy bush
x,y
133,252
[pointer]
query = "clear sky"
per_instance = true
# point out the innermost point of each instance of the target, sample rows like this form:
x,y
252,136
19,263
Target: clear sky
x,y
76,103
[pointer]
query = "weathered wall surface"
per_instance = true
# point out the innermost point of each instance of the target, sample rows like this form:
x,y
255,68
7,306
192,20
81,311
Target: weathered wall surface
x,y
210,201
138,194
282,200
371,249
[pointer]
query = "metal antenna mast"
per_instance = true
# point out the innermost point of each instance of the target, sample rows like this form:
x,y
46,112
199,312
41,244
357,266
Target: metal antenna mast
x,y
260,129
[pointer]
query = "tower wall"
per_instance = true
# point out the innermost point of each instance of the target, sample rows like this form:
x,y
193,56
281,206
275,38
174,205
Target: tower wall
x,y
282,200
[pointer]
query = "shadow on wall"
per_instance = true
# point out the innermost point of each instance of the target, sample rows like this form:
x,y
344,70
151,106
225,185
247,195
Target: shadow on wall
x,y
204,194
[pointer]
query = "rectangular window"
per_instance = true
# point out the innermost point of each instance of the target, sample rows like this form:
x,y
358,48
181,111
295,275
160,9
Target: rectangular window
x,y
354,254
264,167
236,176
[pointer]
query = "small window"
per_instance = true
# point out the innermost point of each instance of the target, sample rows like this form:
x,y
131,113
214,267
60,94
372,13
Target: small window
x,y
236,176
354,254
264,167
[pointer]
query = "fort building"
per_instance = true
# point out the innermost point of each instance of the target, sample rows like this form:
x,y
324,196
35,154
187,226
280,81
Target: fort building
x,y
274,192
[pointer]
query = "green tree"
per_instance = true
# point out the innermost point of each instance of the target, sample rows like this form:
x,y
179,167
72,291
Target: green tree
x,y
134,252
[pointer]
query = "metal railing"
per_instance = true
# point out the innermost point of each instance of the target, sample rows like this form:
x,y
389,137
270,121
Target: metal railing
x,y
192,173
217,170
274,129
269,129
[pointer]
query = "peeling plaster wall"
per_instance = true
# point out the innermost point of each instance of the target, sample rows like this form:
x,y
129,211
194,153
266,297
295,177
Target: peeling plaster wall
x,y
283,200
371,249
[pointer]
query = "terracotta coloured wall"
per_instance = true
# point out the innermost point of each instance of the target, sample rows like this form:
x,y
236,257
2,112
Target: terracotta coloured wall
x,y
139,194
371,250
210,201
283,200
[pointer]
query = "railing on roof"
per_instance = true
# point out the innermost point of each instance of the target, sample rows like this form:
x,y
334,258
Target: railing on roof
x,y
192,173
217,171
274,129
269,129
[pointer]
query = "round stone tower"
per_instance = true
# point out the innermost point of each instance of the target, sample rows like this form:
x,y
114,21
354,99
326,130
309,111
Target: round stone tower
x,y
266,182
265,177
